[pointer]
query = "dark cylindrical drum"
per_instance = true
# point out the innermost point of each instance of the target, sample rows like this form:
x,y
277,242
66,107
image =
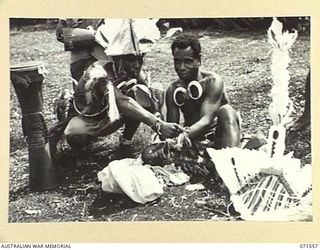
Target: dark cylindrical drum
x,y
27,81
78,39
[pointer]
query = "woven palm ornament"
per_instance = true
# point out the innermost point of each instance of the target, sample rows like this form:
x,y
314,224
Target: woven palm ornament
x,y
269,186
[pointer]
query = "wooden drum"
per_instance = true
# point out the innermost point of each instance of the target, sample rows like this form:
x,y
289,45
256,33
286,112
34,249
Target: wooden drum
x,y
27,81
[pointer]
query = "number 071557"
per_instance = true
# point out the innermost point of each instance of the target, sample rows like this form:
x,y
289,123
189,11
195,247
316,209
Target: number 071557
x,y
309,246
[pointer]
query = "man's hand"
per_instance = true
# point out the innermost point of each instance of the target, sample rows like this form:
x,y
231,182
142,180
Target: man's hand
x,y
169,130
59,31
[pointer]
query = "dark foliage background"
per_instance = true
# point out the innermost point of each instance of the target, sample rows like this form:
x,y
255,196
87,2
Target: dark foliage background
x,y
249,23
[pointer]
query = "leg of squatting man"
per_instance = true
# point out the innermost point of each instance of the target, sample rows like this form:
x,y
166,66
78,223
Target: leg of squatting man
x,y
228,130
81,131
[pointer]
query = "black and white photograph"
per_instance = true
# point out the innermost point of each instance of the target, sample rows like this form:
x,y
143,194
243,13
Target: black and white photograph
x,y
160,119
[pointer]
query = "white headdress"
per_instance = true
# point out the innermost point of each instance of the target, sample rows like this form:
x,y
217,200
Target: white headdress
x,y
127,36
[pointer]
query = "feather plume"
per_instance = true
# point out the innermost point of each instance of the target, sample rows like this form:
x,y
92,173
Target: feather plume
x,y
113,112
93,73
281,106
88,90
281,42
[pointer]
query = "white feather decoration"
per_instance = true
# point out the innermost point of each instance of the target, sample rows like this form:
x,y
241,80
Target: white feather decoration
x,y
93,73
171,32
269,186
281,42
113,112
281,106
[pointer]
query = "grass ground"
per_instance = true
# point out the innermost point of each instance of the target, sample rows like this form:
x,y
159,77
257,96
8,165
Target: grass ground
x,y
239,57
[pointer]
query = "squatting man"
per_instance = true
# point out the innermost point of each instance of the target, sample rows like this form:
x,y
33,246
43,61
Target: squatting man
x,y
100,105
96,103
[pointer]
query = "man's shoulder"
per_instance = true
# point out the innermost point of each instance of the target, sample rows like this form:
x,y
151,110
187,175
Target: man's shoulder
x,y
211,76
174,84
212,82
143,77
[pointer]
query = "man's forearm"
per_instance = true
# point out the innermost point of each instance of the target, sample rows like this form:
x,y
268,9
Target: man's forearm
x,y
131,108
199,129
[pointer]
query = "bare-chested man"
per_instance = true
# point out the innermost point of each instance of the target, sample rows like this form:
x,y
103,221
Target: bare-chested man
x,y
201,97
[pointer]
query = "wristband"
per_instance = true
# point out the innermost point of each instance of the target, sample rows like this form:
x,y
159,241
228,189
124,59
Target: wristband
x,y
157,127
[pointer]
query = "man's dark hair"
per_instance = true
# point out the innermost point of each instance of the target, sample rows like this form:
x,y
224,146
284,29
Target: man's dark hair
x,y
184,40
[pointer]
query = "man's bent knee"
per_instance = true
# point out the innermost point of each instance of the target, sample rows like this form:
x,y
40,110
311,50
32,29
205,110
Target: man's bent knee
x,y
227,114
228,129
78,141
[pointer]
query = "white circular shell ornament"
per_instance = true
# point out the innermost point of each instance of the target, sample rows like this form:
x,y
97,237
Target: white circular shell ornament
x,y
193,87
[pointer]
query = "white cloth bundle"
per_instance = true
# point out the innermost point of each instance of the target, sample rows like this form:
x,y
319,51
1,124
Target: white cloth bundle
x,y
130,177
